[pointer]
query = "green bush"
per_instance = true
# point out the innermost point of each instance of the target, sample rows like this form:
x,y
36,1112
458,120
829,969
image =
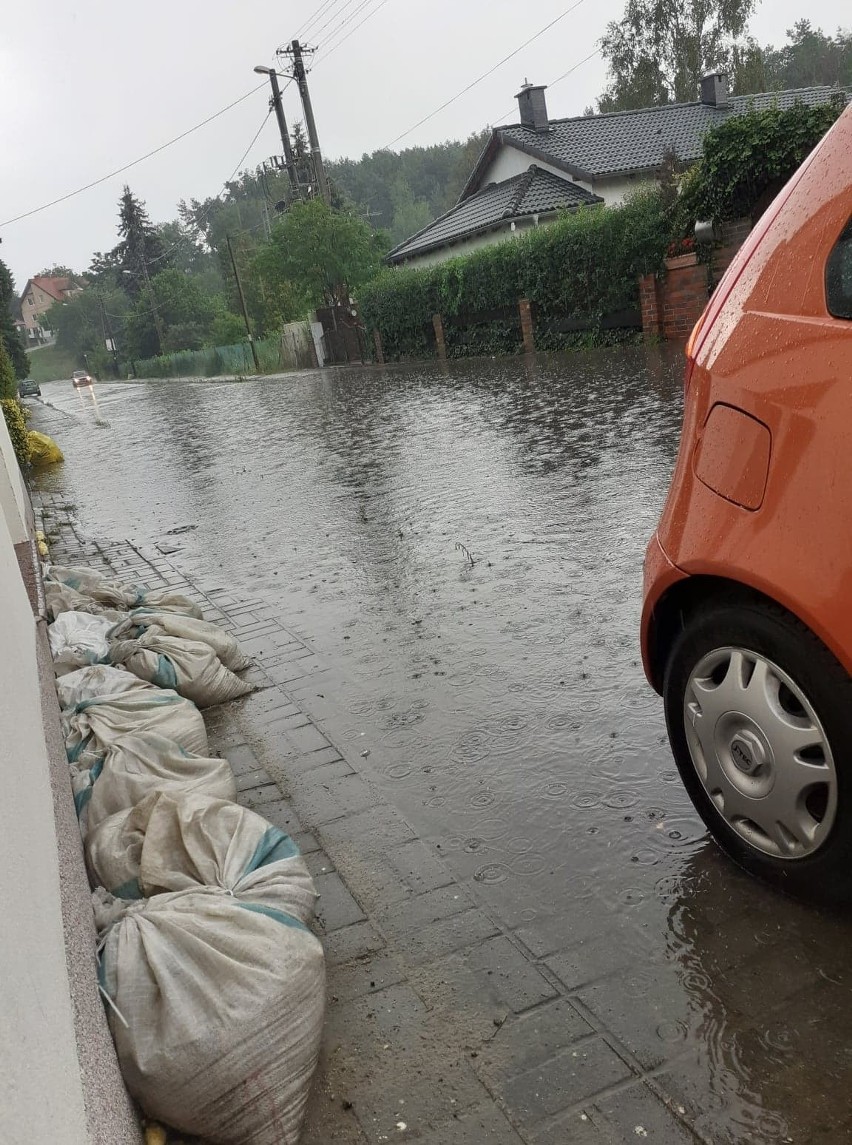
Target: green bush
x,y
213,361
8,382
583,266
16,423
747,158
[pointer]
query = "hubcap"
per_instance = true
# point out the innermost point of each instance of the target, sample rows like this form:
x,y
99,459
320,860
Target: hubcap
x,y
760,752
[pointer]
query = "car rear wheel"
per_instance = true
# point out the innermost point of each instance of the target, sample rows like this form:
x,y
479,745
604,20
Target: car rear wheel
x,y
759,715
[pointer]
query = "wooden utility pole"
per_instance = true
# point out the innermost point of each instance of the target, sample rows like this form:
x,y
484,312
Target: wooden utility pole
x,y
297,52
243,305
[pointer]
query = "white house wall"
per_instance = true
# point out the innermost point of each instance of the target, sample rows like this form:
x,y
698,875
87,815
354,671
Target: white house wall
x,y
477,242
509,161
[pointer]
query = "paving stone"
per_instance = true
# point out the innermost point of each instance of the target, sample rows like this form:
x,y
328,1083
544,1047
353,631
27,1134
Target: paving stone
x,y
648,1009
404,1066
373,830
253,779
242,759
318,862
502,969
339,797
327,773
352,942
336,907
524,1042
484,1125
595,958
364,976
441,938
423,910
575,1128
306,842
571,1078
637,1113
305,737
314,760
259,797
299,670
281,814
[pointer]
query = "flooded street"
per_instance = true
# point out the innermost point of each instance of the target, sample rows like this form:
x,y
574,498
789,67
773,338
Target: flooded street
x,y
462,546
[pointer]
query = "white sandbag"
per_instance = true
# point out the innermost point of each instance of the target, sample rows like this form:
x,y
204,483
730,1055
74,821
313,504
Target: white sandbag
x,y
97,680
221,1004
92,726
78,639
174,624
118,594
189,667
183,840
59,598
138,764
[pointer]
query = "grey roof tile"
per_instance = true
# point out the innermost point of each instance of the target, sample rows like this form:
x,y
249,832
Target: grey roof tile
x,y
597,145
533,192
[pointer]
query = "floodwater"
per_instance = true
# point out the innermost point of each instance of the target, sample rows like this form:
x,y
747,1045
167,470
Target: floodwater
x,y
464,545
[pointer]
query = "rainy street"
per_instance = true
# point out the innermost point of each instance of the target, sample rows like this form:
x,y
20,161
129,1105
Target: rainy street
x,y
461,548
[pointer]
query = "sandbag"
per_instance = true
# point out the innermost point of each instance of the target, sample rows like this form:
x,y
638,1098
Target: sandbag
x,y
183,840
43,449
221,1004
191,668
97,680
78,639
117,594
174,624
92,726
137,764
59,598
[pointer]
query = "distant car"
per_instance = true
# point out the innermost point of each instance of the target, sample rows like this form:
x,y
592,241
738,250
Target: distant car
x,y
29,389
81,378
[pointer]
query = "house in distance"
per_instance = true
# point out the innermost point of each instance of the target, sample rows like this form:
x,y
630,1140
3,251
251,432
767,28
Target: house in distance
x,y
531,171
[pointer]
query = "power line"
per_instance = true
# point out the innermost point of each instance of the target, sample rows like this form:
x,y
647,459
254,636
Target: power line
x,y
134,162
327,51
484,75
311,20
553,83
216,199
315,33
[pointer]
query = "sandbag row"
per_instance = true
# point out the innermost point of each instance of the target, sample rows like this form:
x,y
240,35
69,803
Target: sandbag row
x,y
159,636
215,986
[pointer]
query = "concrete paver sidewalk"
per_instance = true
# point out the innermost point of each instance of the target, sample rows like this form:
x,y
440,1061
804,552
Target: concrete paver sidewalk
x,y
443,1026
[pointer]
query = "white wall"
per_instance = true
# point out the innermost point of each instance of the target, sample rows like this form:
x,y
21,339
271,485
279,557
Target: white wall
x,y
41,1098
475,243
616,189
509,161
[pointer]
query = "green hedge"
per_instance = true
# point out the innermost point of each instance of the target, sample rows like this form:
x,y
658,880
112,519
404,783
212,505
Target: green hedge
x,y
213,361
16,423
583,266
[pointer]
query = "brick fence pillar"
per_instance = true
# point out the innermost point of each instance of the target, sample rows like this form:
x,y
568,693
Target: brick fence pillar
x,y
377,342
527,328
649,301
440,341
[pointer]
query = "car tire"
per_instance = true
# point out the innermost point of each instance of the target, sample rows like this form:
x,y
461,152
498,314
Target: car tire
x,y
759,716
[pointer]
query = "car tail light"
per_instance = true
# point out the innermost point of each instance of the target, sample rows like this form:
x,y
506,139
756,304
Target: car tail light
x,y
732,275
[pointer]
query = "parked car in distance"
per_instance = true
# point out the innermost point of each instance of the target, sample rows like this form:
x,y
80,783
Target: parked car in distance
x,y
29,389
81,378
747,614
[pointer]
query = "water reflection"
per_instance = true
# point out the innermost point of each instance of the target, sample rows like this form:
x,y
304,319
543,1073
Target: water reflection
x,y
502,704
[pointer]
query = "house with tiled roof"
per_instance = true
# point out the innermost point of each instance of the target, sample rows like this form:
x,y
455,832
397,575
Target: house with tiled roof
x,y
37,297
531,171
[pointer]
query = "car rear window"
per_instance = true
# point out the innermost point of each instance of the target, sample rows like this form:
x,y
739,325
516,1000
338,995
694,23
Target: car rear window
x,y
838,276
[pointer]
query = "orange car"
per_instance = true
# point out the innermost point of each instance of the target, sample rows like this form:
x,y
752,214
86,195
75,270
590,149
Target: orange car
x,y
747,617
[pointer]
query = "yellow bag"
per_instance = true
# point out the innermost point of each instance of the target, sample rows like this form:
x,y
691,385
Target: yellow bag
x,y
43,449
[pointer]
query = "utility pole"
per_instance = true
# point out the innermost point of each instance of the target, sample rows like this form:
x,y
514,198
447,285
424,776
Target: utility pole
x,y
278,107
158,322
106,326
296,51
243,305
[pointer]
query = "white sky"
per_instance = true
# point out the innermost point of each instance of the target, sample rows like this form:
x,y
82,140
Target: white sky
x,y
87,85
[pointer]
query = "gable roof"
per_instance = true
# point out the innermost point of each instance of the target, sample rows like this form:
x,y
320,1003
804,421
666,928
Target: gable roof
x,y
624,142
532,192
57,288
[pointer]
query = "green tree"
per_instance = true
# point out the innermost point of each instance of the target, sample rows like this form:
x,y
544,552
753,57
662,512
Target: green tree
x,y
409,214
9,335
810,58
8,383
318,251
140,253
186,312
659,49
56,271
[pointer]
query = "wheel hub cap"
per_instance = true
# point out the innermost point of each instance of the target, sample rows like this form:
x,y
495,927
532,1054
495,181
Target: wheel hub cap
x,y
761,753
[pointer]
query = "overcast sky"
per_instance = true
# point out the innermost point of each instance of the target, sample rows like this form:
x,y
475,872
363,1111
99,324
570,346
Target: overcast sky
x,y
88,85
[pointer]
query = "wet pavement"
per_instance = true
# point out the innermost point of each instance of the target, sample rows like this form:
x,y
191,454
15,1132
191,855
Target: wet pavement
x,y
460,550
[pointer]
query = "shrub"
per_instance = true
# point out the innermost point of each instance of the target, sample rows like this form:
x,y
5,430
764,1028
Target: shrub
x,y
17,425
584,266
8,383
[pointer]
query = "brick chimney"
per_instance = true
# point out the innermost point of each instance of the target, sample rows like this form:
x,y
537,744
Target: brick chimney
x,y
533,106
714,89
